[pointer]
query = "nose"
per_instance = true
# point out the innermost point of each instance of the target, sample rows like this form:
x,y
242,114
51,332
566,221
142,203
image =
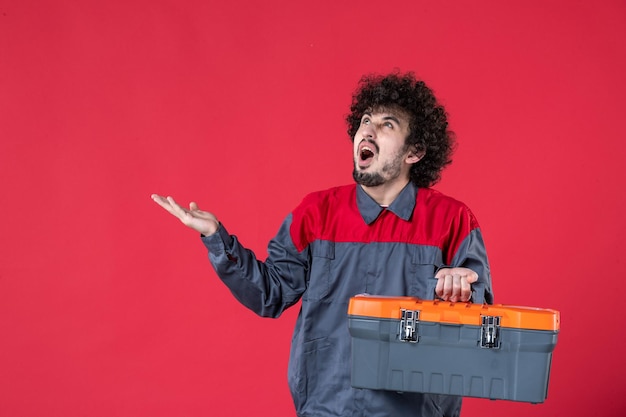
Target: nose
x,y
368,131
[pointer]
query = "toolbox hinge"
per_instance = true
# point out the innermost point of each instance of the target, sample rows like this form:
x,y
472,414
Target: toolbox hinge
x,y
490,332
408,325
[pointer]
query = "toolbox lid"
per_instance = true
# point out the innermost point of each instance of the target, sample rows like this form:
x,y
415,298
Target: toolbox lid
x,y
454,313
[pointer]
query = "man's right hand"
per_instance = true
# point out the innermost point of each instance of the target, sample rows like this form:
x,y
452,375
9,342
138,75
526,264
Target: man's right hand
x,y
201,221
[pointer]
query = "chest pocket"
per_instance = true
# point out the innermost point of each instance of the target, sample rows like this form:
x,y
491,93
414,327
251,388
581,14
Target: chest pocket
x,y
322,255
424,264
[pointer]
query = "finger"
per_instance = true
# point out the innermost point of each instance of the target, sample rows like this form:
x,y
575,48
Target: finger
x,y
200,214
439,286
447,287
158,199
174,204
470,275
177,210
161,201
466,290
456,288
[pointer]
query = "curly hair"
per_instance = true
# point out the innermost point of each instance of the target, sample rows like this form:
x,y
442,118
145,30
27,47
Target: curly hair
x,y
428,125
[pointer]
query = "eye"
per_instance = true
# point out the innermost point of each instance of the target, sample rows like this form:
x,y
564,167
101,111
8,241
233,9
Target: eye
x,y
365,120
389,125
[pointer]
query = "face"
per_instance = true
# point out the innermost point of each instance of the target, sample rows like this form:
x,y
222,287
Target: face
x,y
380,153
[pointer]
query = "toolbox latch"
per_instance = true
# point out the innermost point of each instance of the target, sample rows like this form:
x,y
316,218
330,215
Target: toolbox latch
x,y
408,325
490,332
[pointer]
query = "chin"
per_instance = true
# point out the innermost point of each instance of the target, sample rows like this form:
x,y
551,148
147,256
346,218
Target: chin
x,y
367,179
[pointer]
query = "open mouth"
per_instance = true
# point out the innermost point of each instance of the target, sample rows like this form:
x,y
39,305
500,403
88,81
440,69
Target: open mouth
x,y
366,153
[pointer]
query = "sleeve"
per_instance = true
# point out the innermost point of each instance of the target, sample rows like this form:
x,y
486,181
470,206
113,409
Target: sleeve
x,y
472,254
268,288
464,247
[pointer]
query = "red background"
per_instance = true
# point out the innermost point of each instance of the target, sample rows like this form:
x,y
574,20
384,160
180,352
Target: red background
x,y
108,306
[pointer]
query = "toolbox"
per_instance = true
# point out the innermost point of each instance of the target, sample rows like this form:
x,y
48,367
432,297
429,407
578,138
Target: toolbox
x,y
406,344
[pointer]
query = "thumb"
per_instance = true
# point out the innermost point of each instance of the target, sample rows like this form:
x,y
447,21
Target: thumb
x,y
472,277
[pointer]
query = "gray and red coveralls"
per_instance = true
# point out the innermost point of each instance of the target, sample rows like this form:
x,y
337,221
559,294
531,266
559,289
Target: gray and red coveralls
x,y
338,243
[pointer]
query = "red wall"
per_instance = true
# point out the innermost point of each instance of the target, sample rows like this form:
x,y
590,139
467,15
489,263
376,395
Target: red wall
x,y
108,306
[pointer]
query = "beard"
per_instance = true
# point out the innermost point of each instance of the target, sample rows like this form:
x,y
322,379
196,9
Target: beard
x,y
367,179
390,171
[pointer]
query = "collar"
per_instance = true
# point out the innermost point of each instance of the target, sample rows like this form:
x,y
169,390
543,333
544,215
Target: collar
x,y
402,206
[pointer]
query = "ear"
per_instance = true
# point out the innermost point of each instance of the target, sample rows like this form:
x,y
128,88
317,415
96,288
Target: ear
x,y
415,155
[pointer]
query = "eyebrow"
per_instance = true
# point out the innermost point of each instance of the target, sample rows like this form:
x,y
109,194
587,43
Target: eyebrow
x,y
392,118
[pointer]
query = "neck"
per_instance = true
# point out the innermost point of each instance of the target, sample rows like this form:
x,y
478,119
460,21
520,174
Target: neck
x,y
386,193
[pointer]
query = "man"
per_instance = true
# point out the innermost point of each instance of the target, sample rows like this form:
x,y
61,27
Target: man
x,y
388,234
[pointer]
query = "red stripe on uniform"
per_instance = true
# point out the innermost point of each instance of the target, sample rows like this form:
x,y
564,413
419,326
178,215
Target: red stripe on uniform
x,y
438,220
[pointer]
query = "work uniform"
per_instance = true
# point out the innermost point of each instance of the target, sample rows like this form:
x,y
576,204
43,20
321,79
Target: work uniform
x,y
338,243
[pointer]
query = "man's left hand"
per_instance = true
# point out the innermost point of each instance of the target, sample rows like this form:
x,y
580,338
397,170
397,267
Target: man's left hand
x,y
454,284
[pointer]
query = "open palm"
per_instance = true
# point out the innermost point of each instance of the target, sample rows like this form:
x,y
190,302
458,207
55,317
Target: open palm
x,y
199,220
